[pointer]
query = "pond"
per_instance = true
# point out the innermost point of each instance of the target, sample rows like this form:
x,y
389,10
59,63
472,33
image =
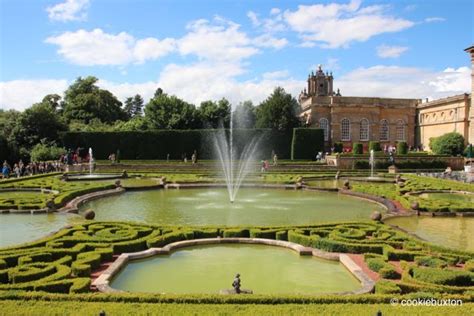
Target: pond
x,y
451,232
209,269
20,228
212,207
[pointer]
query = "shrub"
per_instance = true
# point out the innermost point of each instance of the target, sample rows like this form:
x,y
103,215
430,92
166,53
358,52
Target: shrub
x,y
402,148
443,277
163,240
44,152
307,142
230,233
387,287
375,146
206,233
428,261
389,272
259,233
469,265
357,149
448,144
375,264
281,235
338,147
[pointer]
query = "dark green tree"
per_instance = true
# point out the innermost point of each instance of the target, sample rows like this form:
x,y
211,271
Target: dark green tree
x,y
279,111
244,115
85,101
213,113
170,112
37,123
448,144
133,106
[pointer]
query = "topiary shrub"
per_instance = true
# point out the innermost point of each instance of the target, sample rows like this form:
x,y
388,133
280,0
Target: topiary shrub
x,y
375,264
448,144
389,272
357,149
387,287
443,277
432,262
402,148
338,147
230,233
281,235
375,146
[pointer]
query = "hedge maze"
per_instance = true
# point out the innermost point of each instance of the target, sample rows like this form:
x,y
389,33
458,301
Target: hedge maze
x,y
62,263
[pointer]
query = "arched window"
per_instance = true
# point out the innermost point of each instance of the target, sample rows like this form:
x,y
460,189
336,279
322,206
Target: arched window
x,y
364,130
324,125
400,130
384,131
345,130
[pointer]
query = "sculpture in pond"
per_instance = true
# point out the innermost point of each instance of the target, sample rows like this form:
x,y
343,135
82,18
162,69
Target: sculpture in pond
x,y
236,284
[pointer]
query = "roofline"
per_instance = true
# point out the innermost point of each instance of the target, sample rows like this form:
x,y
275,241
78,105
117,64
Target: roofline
x,y
469,49
453,98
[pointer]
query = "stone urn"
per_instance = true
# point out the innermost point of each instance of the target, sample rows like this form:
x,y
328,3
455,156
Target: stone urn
x,y
347,185
118,183
89,214
376,216
163,180
124,174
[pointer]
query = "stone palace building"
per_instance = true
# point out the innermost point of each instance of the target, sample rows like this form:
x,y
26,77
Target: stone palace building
x,y
387,120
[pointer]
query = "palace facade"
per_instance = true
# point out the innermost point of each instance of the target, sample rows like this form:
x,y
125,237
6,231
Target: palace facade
x,y
386,120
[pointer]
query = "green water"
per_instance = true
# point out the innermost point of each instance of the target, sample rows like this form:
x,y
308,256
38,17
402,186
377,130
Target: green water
x,y
449,197
212,207
20,228
208,269
452,232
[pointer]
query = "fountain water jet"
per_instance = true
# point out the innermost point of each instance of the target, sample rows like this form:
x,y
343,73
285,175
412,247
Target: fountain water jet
x,y
225,151
91,161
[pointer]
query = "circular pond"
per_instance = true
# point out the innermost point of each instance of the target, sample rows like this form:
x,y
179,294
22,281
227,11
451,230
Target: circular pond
x,y
209,269
21,228
452,232
212,207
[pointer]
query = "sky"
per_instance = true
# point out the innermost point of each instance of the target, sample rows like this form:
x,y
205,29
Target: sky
x,y
240,50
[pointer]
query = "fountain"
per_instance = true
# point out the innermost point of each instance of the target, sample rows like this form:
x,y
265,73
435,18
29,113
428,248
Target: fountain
x,y
91,161
372,163
226,153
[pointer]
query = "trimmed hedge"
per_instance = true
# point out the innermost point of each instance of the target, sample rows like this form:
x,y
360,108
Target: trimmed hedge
x,y
357,149
306,143
375,146
387,287
402,148
158,144
443,277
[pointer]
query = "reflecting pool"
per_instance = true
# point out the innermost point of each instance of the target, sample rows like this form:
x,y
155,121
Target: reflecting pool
x,y
212,207
208,269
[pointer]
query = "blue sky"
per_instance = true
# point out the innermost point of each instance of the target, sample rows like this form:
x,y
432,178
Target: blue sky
x,y
240,50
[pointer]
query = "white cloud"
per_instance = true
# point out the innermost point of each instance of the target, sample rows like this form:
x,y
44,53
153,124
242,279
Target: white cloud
x,y
70,10
275,11
337,25
434,19
266,40
254,18
404,82
385,51
279,74
218,41
21,94
99,48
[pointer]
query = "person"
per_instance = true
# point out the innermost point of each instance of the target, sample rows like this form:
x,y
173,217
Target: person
x,y
236,283
266,165
263,166
5,170
112,158
275,159
194,157
16,170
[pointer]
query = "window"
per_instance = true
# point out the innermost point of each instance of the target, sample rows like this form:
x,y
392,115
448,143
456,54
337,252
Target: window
x,y
400,130
384,131
324,125
345,130
364,129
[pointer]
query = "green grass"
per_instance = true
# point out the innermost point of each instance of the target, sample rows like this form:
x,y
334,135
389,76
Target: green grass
x,y
11,307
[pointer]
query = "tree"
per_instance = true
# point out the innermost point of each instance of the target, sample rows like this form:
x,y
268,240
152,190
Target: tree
x,y
133,106
170,112
37,123
447,144
85,101
279,111
215,113
244,115
54,100
46,151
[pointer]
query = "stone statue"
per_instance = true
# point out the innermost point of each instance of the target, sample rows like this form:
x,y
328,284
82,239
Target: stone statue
x,y
236,284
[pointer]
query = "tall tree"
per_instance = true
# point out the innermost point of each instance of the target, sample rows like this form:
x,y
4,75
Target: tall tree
x,y
85,101
244,115
215,113
170,112
279,111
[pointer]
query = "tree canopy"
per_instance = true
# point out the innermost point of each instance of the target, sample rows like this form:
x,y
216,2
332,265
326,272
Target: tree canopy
x,y
448,144
85,101
279,111
213,113
244,115
170,112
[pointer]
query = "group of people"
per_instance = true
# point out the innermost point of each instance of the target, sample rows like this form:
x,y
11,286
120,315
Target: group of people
x,y
20,169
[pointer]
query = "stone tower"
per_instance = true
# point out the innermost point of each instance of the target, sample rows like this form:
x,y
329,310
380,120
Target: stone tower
x,y
470,138
320,84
